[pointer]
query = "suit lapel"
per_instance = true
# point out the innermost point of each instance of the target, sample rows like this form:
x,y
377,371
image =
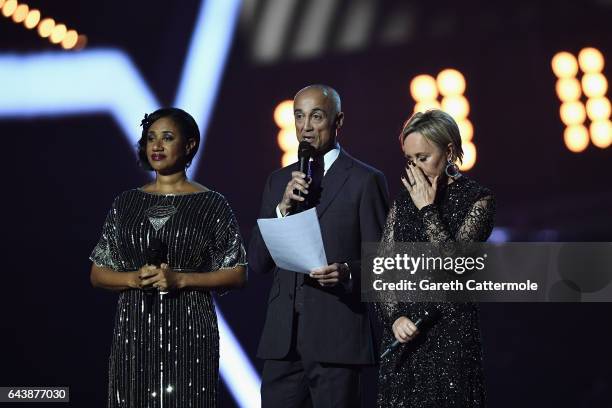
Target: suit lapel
x,y
333,181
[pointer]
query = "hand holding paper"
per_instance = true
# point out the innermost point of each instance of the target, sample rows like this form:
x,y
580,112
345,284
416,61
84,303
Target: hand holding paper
x,y
294,242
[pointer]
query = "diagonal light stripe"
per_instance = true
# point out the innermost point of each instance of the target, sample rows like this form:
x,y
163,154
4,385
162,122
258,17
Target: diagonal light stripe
x,y
236,369
59,84
210,44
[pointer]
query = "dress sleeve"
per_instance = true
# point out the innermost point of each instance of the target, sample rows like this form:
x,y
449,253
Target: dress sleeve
x,y
476,226
229,248
105,253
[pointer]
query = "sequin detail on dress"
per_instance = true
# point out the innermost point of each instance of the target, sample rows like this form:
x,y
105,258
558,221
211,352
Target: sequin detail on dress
x,y
442,366
165,348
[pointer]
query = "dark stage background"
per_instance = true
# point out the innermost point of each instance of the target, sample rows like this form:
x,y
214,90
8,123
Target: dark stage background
x,y
61,173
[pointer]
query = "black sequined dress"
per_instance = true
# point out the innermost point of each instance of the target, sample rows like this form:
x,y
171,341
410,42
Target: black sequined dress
x,y
442,366
165,348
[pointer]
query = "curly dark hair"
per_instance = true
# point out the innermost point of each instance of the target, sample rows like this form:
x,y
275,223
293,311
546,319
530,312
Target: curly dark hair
x,y
185,123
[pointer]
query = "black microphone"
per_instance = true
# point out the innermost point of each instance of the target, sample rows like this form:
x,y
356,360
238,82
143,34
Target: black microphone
x,y
305,152
156,254
427,318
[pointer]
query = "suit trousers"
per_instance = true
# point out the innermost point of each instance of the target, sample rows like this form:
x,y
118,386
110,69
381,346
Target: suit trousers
x,y
299,381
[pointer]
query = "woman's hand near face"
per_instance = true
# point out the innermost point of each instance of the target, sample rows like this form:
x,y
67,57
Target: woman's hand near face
x,y
420,189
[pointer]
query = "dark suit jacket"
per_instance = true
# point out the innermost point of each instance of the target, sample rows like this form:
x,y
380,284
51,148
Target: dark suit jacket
x,y
336,327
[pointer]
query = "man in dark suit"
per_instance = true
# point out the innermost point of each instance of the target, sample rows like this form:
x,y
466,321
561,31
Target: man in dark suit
x,y
317,334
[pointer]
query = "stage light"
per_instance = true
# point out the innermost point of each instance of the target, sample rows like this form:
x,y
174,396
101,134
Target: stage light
x,y
601,133
32,19
426,105
572,113
598,108
568,89
20,14
70,40
287,140
283,114
9,8
58,33
594,85
424,88
457,106
576,138
590,60
466,130
45,28
469,156
450,82
564,65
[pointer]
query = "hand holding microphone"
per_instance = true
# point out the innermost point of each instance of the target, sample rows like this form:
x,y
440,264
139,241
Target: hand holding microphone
x,y
297,187
157,274
405,329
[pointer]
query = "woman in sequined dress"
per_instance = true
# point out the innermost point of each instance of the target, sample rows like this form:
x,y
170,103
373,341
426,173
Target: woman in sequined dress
x,y
165,348
441,365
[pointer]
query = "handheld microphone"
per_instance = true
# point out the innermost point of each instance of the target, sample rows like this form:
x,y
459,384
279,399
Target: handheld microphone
x,y
156,254
305,152
427,318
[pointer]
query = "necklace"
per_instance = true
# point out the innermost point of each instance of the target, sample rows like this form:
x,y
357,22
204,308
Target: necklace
x,y
159,214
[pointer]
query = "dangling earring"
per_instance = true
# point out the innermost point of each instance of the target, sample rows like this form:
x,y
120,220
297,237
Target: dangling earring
x,y
452,170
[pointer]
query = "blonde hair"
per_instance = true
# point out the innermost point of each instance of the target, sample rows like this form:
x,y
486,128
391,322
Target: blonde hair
x,y
438,127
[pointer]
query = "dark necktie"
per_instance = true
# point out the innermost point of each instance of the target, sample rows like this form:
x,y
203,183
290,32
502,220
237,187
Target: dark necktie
x,y
316,174
315,171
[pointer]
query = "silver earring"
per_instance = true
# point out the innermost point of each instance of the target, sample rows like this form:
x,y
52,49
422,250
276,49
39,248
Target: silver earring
x,y
452,170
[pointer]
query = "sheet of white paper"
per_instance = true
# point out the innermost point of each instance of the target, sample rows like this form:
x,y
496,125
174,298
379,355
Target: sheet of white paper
x,y
295,241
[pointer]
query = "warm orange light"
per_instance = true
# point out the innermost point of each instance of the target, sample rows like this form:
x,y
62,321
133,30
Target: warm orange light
x,y
287,140
590,60
32,19
423,88
426,105
283,114
572,113
598,108
21,12
451,82
289,157
70,40
1,3
45,28
469,156
601,133
9,8
594,85
568,89
457,106
466,130
58,33
576,138
564,65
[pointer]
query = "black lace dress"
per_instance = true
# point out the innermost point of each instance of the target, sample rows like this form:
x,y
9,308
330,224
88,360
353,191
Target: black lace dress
x,y
442,366
165,348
